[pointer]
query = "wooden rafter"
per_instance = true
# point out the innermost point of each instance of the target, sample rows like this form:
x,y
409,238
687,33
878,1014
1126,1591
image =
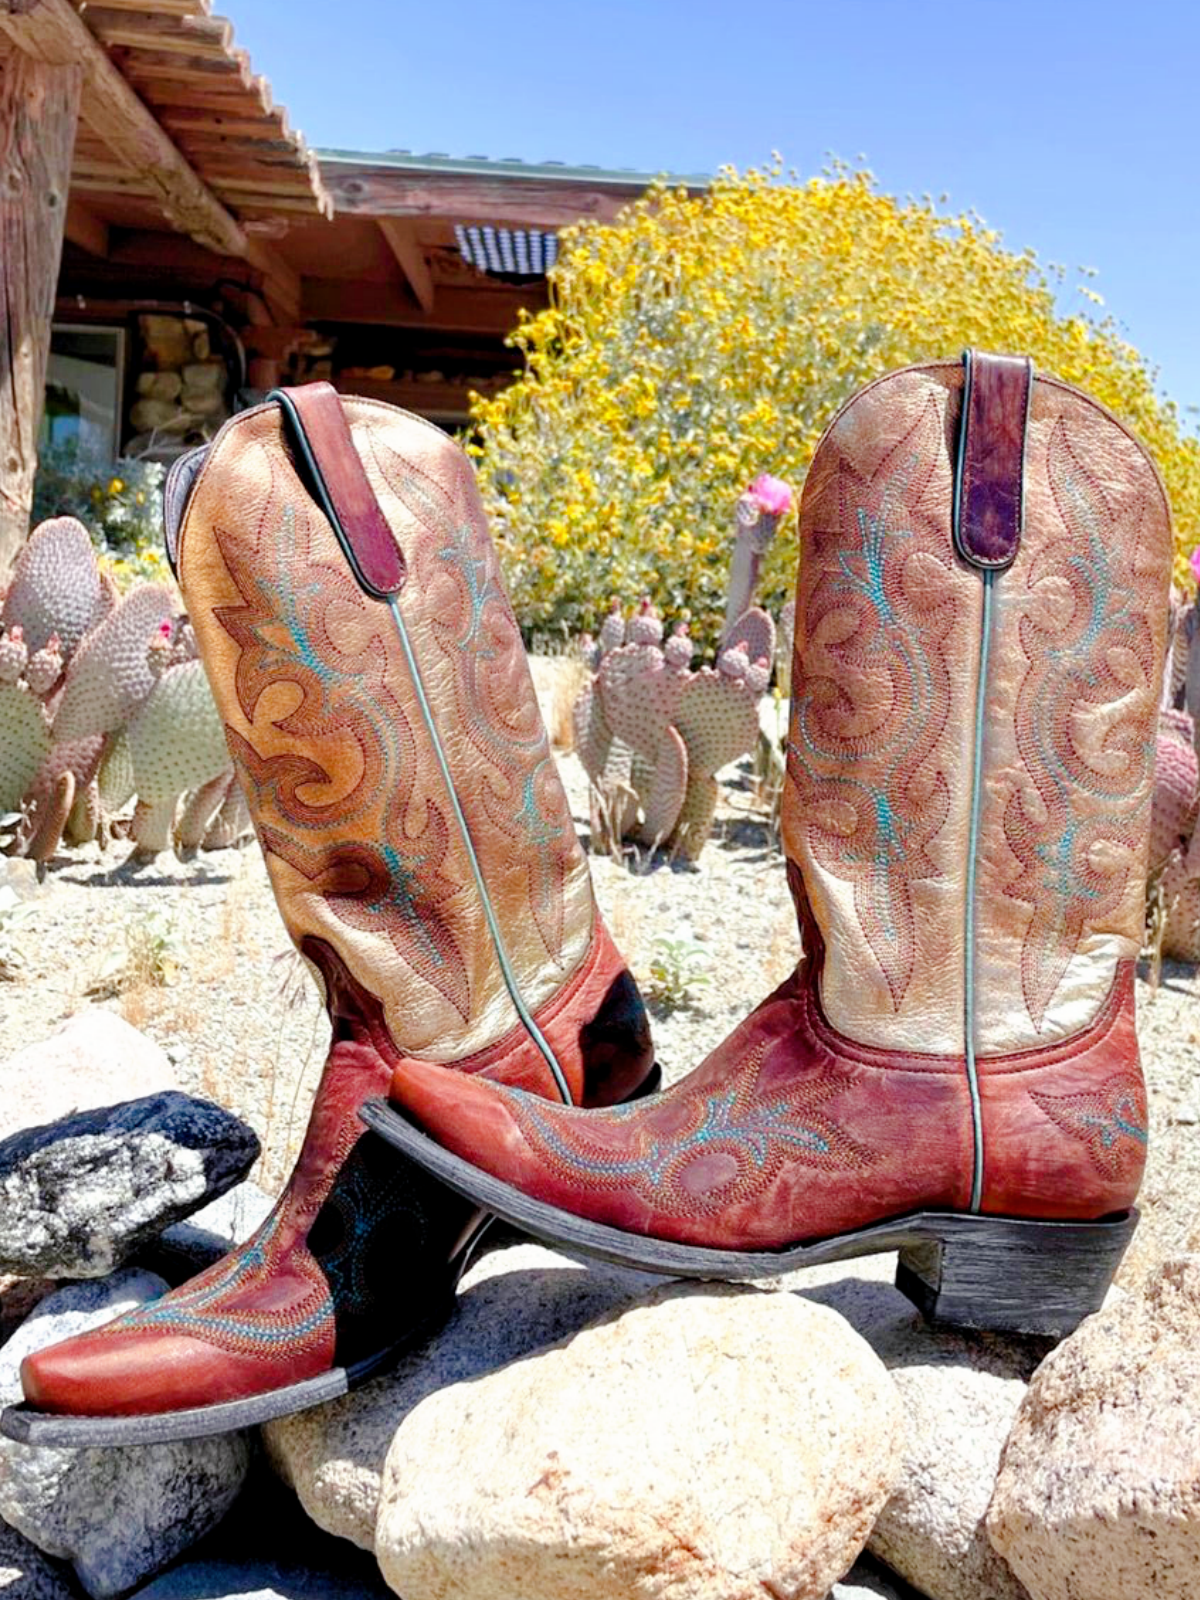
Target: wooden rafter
x,y
87,230
410,258
51,31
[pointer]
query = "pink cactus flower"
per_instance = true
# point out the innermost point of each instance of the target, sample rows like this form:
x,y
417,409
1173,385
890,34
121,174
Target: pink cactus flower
x,y
1194,563
771,495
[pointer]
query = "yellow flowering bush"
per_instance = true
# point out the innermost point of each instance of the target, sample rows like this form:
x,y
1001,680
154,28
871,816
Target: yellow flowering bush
x,y
701,340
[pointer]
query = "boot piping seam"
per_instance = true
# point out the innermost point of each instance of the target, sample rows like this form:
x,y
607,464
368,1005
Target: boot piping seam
x,y
509,976
972,858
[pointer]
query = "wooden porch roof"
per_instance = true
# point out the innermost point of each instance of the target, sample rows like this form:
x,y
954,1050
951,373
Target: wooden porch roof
x,y
176,130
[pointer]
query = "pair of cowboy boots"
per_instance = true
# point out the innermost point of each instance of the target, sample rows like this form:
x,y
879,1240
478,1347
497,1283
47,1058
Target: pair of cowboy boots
x,y
951,1071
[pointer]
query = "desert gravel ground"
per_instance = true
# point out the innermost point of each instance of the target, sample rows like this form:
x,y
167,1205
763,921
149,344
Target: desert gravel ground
x,y
241,1021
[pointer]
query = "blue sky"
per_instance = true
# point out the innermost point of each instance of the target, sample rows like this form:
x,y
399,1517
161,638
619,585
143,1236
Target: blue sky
x,y
1071,127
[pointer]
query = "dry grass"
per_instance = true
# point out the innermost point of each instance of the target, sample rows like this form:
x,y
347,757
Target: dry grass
x,y
558,681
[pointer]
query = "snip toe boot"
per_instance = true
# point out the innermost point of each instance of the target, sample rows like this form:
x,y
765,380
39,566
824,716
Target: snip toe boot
x,y
349,610
952,1071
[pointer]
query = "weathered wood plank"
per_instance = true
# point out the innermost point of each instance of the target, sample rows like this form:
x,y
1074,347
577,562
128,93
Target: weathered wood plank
x,y
401,238
455,310
51,31
39,105
86,229
163,8
143,30
503,201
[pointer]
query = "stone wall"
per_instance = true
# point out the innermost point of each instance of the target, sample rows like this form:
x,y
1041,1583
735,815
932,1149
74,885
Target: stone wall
x,y
182,388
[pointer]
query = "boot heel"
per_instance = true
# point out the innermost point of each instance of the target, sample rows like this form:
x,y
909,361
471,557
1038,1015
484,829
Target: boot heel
x,y
1010,1275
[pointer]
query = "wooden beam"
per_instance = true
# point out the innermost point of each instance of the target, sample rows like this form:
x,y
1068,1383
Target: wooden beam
x,y
39,106
282,288
52,32
457,310
410,258
166,8
146,30
426,399
458,197
86,229
279,285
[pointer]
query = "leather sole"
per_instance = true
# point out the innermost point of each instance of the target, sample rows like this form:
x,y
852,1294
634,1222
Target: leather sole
x,y
1010,1274
64,1431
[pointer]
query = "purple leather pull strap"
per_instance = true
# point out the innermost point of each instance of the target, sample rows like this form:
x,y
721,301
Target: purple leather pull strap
x,y
989,483
317,426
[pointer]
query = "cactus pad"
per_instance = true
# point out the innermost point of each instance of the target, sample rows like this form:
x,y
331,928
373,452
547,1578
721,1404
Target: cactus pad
x,y
111,675
55,586
1176,788
754,634
176,738
24,743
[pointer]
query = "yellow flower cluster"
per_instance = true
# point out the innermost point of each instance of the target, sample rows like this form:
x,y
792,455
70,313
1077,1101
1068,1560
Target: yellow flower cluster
x,y
701,340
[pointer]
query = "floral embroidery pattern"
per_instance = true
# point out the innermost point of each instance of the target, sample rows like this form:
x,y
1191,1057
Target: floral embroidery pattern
x,y
873,695
1075,827
1110,1120
305,624
723,1145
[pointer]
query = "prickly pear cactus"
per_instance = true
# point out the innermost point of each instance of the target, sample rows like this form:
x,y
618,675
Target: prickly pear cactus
x,y
111,673
24,742
176,743
1175,836
1176,788
718,721
56,586
67,772
115,779
652,733
232,825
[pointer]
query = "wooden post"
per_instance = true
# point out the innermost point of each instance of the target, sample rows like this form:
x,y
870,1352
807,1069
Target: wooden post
x,y
39,105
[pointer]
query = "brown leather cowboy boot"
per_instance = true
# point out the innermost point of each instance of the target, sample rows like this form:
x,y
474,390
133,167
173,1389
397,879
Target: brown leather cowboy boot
x,y
350,613
953,1069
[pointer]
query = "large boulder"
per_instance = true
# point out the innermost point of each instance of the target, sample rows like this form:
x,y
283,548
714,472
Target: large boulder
x,y
511,1302
94,1059
705,1443
960,1393
1098,1494
78,1196
26,1574
117,1515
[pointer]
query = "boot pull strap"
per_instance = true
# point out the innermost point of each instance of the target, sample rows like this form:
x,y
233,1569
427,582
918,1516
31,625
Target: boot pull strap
x,y
989,484
316,425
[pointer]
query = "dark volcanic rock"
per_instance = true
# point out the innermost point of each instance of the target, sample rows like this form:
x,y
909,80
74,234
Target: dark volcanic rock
x,y
78,1196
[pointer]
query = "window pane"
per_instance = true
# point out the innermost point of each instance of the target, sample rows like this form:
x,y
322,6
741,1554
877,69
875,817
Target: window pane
x,y
83,390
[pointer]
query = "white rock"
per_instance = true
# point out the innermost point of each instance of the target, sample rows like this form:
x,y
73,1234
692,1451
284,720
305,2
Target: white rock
x,y
1098,1496
512,1302
117,1515
960,1393
94,1059
707,1443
